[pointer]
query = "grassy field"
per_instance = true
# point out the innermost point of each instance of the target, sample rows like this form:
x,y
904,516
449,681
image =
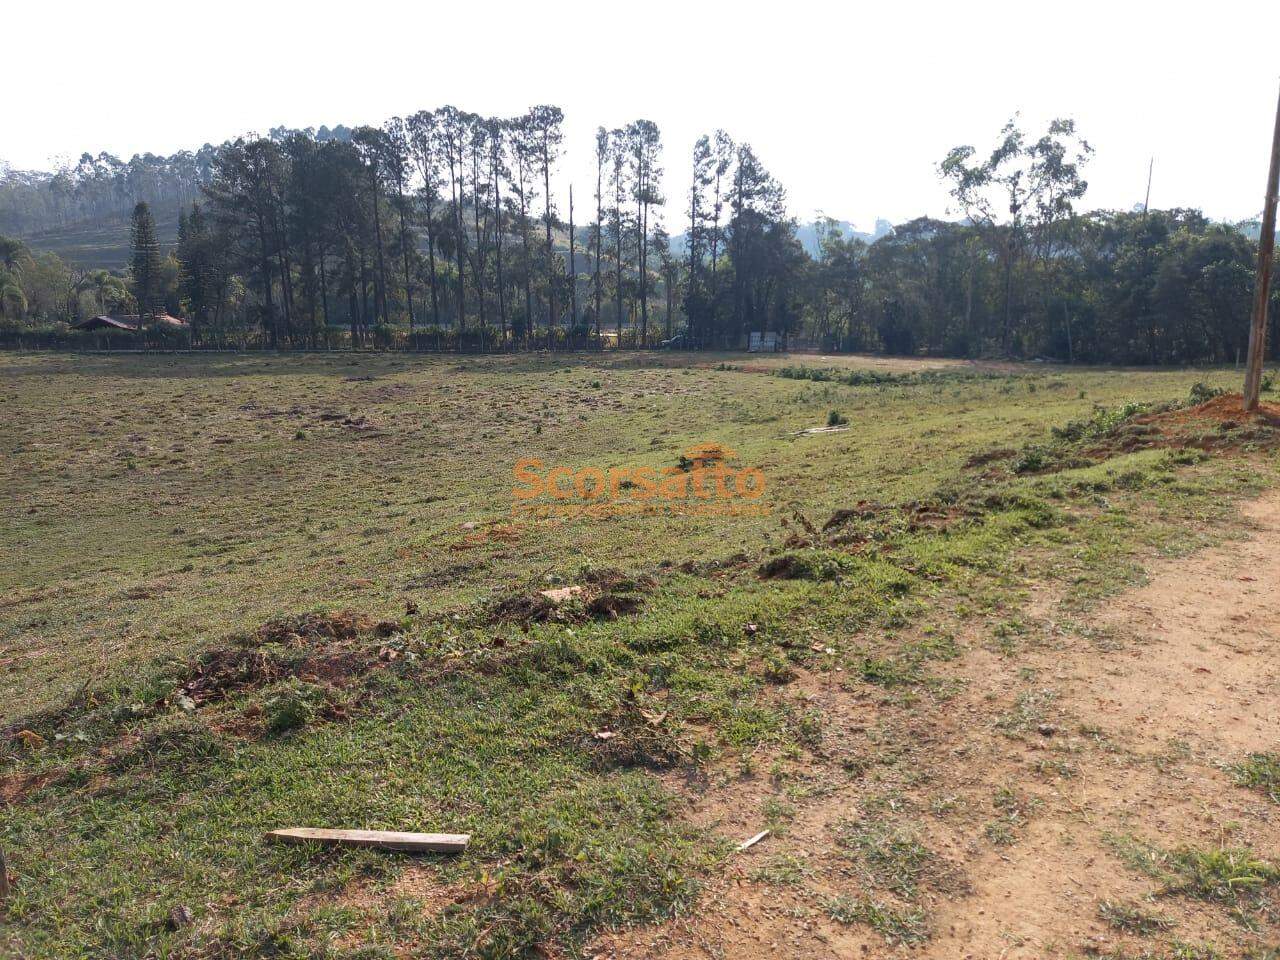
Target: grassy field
x,y
180,534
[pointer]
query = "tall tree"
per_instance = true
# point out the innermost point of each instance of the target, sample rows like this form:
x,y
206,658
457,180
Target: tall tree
x,y
696,302
395,161
645,145
597,232
498,171
524,151
453,129
1020,191
371,143
144,262
545,122
573,269
424,139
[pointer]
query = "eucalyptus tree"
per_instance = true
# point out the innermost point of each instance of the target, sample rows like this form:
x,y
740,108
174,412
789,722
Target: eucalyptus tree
x,y
499,133
545,123
597,229
696,301
524,157
454,126
724,153
573,270
477,142
669,269
618,161
1018,195
396,165
644,144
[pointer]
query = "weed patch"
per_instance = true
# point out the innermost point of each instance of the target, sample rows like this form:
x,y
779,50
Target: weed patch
x,y
1260,771
897,926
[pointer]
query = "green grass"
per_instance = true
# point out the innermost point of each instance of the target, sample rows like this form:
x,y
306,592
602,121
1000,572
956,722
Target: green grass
x,y
1227,875
897,926
893,857
1132,918
161,510
1260,771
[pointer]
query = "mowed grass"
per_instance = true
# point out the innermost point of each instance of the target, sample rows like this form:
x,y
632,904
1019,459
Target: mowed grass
x,y
154,503
161,505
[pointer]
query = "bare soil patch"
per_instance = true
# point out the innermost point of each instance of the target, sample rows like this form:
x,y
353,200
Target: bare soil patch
x,y
1100,735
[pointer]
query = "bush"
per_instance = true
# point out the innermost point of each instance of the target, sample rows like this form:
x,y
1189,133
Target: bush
x,y
1201,393
1033,460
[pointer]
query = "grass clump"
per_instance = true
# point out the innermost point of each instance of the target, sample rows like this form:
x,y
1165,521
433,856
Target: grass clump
x,y
785,869
807,565
292,706
1260,771
897,926
1132,918
1227,875
892,857
1103,422
1202,393
1224,875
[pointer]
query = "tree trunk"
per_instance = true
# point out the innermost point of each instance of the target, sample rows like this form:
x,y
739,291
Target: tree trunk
x,y
497,240
599,237
404,247
551,285
573,270
475,208
381,297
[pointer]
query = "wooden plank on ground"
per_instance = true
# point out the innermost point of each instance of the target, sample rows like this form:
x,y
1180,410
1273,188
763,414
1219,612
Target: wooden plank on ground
x,y
381,839
752,841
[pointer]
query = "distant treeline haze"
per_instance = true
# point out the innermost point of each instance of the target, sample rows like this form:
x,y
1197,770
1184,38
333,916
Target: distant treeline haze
x,y
442,229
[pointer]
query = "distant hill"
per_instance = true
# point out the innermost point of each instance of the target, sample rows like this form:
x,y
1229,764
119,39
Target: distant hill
x,y
103,244
807,234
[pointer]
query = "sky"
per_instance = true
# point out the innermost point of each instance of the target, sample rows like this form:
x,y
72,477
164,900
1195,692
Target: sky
x,y
850,105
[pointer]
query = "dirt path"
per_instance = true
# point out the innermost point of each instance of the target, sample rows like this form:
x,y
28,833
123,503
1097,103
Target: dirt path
x,y
1029,791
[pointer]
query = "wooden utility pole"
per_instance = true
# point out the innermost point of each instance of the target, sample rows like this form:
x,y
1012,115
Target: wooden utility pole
x,y
1262,290
1151,168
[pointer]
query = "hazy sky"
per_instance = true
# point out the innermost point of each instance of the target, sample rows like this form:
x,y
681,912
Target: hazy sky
x,y
851,106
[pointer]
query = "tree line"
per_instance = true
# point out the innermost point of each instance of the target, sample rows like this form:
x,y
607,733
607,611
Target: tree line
x,y
443,227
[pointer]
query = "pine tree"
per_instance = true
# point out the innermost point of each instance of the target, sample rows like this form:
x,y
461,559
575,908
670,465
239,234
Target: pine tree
x,y
145,262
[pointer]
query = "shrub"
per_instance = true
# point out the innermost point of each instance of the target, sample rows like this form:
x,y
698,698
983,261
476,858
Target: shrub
x,y
1202,393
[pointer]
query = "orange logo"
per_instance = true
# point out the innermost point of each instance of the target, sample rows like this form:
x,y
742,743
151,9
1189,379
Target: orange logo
x,y
702,482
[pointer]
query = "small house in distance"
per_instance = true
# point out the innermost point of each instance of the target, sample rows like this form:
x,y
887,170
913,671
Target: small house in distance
x,y
766,341
129,322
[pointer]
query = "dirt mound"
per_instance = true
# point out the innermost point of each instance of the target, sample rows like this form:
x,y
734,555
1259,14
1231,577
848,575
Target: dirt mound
x,y
317,647
13,787
342,625
990,456
1227,408
602,594
864,510
631,736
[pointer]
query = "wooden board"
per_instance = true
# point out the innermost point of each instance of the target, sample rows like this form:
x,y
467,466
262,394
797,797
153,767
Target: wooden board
x,y
752,841
382,839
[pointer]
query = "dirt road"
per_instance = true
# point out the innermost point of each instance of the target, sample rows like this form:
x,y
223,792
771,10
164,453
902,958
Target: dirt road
x,y
1040,809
